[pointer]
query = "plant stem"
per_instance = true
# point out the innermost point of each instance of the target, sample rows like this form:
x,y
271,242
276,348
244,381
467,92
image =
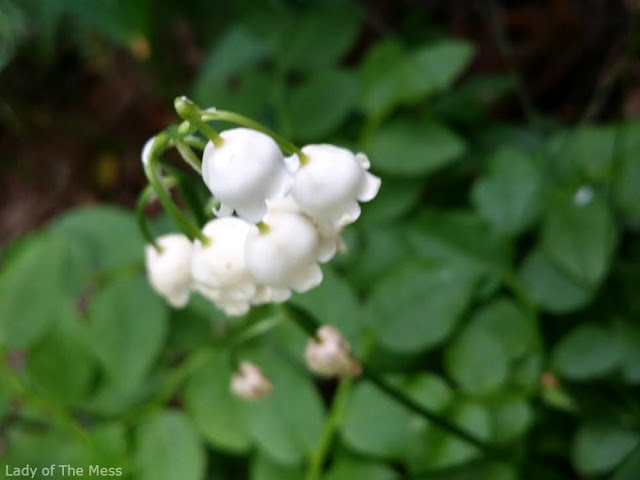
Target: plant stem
x,y
145,197
14,384
188,110
189,156
149,161
319,455
309,324
431,416
232,117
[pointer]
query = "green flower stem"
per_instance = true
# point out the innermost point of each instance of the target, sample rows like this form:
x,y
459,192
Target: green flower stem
x,y
309,324
150,169
188,155
232,117
236,340
17,388
256,329
331,426
170,386
431,416
188,110
195,142
145,197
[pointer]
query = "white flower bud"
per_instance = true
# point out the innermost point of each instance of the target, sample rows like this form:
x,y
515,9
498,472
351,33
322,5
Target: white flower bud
x,y
330,354
219,269
250,383
285,253
169,270
244,171
330,185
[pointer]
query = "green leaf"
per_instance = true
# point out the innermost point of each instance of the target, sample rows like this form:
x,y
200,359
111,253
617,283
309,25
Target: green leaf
x,y
40,449
416,307
109,446
61,364
287,425
630,467
234,51
168,448
600,446
404,147
477,360
249,94
472,99
321,104
460,238
378,425
390,76
263,468
582,154
320,38
34,294
121,24
191,326
627,177
437,448
5,402
129,323
109,233
434,67
514,329
550,288
113,399
511,418
588,351
509,195
384,247
334,302
579,235
219,416
351,469
629,337
394,200
381,78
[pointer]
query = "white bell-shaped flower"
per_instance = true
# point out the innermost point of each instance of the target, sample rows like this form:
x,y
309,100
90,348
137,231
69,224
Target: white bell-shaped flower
x,y
329,186
284,253
250,383
329,239
169,270
244,171
330,354
219,269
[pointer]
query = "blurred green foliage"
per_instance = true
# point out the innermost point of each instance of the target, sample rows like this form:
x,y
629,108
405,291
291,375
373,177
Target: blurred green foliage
x,y
496,276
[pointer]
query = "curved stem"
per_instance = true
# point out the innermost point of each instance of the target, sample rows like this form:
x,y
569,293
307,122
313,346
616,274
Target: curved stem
x,y
431,416
145,197
188,155
309,324
15,386
232,117
188,110
319,455
195,142
149,162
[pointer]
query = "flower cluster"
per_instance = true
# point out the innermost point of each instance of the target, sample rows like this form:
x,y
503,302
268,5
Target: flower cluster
x,y
289,212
